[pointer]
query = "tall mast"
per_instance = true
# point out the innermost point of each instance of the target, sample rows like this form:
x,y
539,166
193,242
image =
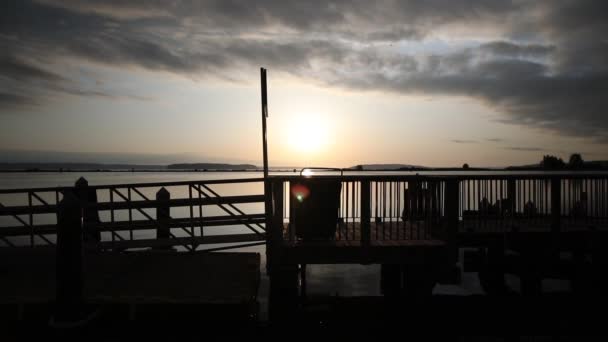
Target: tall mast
x,y
264,116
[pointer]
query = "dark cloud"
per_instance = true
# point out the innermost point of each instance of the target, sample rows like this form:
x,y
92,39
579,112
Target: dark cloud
x,y
495,140
509,49
459,141
10,101
19,70
542,64
526,149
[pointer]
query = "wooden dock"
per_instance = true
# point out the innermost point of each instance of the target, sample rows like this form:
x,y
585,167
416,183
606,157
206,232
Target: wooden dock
x,y
413,226
212,280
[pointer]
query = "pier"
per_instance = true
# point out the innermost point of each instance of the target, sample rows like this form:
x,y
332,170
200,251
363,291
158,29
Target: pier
x,y
152,243
416,227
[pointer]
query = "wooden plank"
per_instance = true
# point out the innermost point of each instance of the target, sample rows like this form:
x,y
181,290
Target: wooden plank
x,y
408,252
140,224
180,202
177,241
137,277
25,209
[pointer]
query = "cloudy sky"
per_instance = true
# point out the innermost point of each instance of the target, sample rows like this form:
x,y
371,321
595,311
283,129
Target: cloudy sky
x,y
436,82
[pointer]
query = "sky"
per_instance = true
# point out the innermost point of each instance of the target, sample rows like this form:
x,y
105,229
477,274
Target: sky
x,y
434,83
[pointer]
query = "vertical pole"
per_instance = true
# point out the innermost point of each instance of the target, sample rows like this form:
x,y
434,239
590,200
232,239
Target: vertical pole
x,y
70,281
163,214
274,232
264,116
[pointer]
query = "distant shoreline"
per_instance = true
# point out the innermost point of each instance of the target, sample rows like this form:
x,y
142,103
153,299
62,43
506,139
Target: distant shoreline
x,y
295,170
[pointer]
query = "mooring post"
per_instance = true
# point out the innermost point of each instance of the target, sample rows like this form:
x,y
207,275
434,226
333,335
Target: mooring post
x,y
69,262
163,215
87,197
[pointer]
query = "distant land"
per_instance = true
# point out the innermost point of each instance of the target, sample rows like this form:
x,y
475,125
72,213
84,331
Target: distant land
x,y
406,167
587,165
100,167
211,166
383,167
122,167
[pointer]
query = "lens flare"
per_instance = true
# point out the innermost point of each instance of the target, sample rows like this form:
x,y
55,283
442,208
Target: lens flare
x,y
300,192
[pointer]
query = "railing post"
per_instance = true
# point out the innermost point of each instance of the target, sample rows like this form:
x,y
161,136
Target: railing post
x,y
556,204
283,276
452,200
69,258
274,220
163,214
90,216
366,213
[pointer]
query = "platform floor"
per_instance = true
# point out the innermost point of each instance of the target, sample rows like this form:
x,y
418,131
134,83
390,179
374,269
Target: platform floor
x,y
390,233
28,276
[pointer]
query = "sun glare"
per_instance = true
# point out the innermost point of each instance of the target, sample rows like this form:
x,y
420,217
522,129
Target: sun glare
x,y
308,134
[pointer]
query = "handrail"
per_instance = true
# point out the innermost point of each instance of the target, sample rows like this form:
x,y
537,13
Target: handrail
x,y
422,177
138,185
323,168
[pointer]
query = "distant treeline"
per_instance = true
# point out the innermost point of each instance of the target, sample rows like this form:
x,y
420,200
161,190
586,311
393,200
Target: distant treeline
x,y
575,162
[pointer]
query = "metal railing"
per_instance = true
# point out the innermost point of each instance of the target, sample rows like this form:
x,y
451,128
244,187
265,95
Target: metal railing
x,y
533,203
370,208
141,215
422,207
396,207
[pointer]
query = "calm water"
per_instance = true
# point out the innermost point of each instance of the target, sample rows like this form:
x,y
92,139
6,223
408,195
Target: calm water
x,y
342,280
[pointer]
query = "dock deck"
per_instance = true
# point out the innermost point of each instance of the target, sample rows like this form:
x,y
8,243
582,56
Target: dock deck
x,y
148,277
389,242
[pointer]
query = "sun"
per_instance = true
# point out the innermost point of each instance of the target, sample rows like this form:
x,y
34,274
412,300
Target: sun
x,y
308,133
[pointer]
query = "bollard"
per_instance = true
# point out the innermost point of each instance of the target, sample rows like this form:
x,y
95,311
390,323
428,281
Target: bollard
x,y
163,215
90,215
69,271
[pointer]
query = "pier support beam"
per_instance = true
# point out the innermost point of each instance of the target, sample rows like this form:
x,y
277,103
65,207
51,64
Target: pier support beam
x,y
283,299
70,278
390,280
492,274
418,281
531,272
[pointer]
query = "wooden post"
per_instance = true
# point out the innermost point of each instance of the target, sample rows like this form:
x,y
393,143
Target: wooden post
x,y
69,267
274,222
90,216
366,213
390,279
163,214
283,297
